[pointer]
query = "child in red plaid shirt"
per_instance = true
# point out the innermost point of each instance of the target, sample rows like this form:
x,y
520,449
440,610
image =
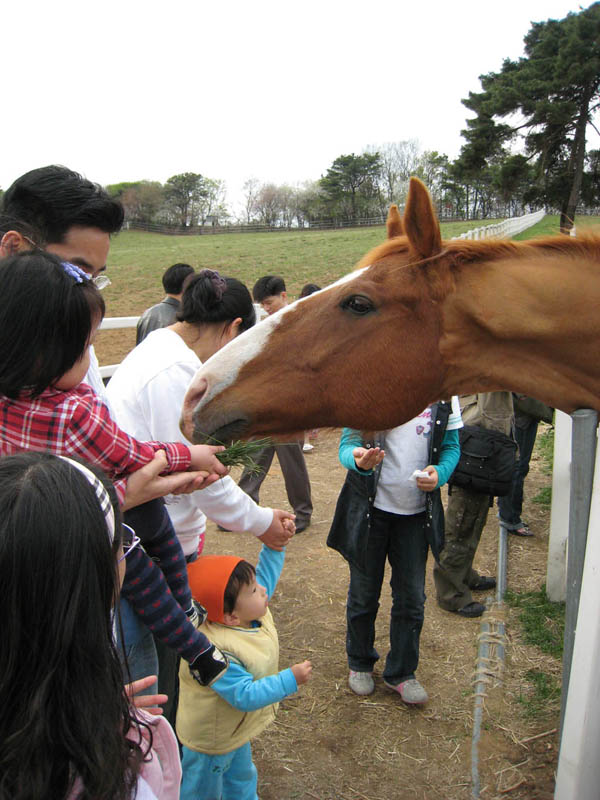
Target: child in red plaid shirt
x,y
49,314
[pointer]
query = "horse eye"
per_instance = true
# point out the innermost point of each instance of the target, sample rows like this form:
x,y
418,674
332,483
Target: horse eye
x,y
358,304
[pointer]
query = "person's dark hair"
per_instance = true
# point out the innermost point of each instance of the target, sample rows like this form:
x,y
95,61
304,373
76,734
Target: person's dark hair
x,y
243,575
46,318
64,708
267,286
10,223
210,298
173,277
309,288
53,199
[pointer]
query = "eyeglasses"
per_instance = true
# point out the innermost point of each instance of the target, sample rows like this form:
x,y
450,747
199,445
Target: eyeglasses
x,y
35,245
130,541
101,282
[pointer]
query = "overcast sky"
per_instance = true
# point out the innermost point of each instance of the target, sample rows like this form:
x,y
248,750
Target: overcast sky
x,y
276,90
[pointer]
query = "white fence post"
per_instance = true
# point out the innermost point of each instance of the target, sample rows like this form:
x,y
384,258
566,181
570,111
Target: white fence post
x,y
578,774
556,570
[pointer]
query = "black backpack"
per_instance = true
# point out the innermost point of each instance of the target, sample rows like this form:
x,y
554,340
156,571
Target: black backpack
x,y
487,461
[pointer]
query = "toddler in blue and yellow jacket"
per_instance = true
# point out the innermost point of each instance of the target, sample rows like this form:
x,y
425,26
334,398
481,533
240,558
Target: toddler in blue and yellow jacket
x,y
216,723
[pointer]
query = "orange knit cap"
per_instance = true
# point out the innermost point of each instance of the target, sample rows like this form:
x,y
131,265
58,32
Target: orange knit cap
x,y
208,577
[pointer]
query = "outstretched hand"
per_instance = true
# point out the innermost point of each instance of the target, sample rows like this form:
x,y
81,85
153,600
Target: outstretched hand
x,y
368,457
148,483
204,457
302,672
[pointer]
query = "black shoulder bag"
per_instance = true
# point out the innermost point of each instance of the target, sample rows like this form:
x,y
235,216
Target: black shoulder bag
x,y
487,461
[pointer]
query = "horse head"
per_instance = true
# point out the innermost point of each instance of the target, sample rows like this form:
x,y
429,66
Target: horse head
x,y
362,352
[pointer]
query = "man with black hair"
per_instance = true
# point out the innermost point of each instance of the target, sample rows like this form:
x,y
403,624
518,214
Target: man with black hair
x,y
164,313
270,292
73,216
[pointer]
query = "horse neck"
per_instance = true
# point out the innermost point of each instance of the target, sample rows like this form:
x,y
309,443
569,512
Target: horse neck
x,y
527,325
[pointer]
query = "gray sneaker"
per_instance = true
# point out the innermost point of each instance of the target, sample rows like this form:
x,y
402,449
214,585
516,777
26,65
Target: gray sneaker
x,y
411,692
361,682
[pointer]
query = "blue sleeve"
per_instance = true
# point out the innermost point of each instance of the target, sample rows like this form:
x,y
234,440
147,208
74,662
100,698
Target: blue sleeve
x,y
268,569
449,455
349,440
238,688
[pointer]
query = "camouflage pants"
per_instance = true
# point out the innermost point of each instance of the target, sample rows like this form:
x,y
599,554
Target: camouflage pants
x,y
454,575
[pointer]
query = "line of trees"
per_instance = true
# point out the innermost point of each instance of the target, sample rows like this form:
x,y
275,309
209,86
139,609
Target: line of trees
x,y
184,200
525,148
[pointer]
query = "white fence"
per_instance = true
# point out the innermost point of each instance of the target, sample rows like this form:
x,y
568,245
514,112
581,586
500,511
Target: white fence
x,y
114,323
504,230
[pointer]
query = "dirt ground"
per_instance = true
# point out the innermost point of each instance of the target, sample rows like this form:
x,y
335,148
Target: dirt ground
x,y
329,744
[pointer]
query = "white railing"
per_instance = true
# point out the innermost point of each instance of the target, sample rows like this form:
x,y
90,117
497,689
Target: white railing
x,y
506,229
114,323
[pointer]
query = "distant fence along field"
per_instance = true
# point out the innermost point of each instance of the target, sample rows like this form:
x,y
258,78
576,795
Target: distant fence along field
x,y
324,225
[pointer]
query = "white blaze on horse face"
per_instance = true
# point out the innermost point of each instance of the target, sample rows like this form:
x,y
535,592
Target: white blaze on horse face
x,y
221,369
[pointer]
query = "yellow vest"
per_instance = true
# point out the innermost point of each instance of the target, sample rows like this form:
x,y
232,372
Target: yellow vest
x,y
206,722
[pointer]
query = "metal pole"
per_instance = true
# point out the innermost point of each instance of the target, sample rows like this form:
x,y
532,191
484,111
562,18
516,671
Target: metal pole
x,y
583,456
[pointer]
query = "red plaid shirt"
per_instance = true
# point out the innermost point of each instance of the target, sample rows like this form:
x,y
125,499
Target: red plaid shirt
x,y
77,422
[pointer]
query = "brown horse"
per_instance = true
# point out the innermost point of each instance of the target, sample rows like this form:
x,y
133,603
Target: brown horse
x,y
420,319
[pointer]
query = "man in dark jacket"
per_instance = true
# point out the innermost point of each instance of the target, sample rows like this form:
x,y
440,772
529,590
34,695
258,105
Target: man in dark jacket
x,y
163,314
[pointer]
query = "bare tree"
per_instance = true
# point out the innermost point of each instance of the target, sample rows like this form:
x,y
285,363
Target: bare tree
x,y
268,204
399,160
251,187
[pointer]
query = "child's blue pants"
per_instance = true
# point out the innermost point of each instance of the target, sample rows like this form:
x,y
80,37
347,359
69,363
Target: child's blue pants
x,y
230,776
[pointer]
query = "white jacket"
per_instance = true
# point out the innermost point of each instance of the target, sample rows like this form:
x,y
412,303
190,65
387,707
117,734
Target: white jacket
x,y
146,395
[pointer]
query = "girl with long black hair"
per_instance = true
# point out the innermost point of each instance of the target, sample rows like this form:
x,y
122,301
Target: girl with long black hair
x,y
67,729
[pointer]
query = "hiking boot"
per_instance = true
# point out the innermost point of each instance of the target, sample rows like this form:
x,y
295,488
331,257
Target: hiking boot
x,y
471,610
361,682
411,692
484,583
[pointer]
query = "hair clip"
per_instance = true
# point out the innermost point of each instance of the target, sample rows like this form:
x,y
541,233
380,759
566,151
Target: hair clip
x,y
218,281
75,272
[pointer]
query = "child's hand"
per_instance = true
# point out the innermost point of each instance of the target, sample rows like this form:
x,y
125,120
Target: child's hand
x,y
204,458
302,672
429,483
148,701
368,458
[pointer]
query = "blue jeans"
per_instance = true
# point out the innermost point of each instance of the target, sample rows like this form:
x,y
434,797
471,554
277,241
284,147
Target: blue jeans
x,y
511,505
400,539
137,645
231,776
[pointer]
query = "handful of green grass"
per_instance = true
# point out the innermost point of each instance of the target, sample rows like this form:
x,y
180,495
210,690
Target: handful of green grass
x,y
241,454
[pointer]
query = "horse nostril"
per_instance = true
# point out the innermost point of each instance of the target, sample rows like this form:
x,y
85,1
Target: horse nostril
x,y
193,397
196,392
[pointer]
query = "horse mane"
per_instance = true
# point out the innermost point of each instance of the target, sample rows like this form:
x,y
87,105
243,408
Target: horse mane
x,y
468,251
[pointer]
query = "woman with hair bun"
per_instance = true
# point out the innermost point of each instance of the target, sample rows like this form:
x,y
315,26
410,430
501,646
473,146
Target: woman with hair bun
x,y
67,728
146,394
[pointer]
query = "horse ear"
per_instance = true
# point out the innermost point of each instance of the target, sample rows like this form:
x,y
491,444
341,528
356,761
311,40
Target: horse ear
x,y
394,222
420,222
